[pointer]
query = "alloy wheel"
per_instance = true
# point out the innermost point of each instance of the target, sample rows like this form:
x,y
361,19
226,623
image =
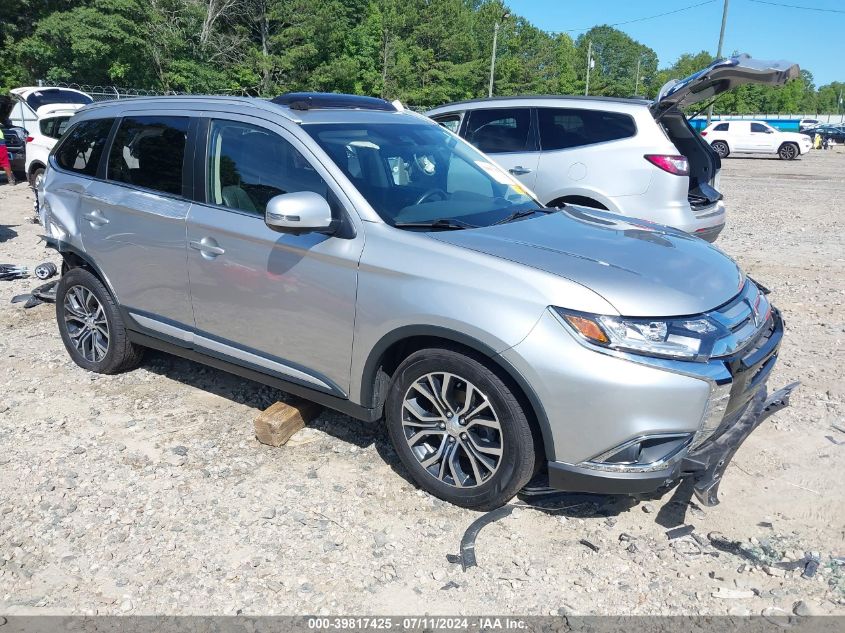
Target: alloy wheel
x,y
788,152
86,323
452,429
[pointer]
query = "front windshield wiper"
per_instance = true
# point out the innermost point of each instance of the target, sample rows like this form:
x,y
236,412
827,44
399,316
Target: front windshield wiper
x,y
445,224
524,213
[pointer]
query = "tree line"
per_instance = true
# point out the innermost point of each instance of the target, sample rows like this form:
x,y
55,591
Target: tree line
x,y
423,52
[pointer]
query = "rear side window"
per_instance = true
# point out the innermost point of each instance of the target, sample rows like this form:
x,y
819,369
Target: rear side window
x,y
55,127
562,128
722,127
248,165
499,130
81,150
148,151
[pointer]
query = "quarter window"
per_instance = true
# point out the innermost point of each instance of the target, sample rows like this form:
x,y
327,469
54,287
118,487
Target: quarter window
x,y
81,150
499,130
148,151
722,127
562,128
55,127
450,121
248,165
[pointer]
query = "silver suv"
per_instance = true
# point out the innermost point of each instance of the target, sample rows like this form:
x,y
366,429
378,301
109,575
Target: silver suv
x,y
357,254
634,157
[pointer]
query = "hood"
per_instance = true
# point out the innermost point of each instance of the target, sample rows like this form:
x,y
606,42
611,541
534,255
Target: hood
x,y
721,76
642,269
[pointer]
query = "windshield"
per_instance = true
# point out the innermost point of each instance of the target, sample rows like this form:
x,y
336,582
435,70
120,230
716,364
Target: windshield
x,y
49,96
419,173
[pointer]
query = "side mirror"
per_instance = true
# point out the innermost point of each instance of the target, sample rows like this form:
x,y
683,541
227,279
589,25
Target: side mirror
x,y
299,212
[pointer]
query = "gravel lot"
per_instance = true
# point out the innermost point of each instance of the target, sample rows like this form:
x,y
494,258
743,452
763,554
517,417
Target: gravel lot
x,y
147,493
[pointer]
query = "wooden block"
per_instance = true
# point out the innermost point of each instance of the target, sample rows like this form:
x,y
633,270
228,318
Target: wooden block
x,y
277,423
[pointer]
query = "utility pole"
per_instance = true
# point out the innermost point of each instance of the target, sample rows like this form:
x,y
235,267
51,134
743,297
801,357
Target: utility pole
x,y
589,65
637,80
505,16
719,50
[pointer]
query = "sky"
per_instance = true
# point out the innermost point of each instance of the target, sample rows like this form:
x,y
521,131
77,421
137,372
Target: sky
x,y
813,39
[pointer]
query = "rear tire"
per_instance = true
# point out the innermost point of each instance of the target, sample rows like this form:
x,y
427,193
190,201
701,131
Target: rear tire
x,y
788,151
91,327
473,446
36,176
721,148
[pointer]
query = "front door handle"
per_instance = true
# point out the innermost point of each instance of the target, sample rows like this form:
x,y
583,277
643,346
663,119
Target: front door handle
x,y
519,170
208,247
96,218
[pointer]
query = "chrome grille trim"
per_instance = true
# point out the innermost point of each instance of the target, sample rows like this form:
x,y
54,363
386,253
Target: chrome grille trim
x,y
739,320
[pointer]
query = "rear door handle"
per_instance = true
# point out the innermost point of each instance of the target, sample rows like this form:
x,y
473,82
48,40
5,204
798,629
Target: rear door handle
x,y
96,218
519,170
207,247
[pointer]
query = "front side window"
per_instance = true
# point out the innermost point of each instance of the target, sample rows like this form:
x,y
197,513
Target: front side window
x,y
760,128
722,127
80,152
54,127
562,128
148,151
247,165
418,173
499,130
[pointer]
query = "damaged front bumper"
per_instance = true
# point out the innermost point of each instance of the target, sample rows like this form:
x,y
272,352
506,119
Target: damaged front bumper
x,y
703,459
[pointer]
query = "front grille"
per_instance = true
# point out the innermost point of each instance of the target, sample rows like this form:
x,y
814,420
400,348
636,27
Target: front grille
x,y
742,319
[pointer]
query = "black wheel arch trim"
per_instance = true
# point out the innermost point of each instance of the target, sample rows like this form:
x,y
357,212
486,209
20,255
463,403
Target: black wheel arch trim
x,y
367,395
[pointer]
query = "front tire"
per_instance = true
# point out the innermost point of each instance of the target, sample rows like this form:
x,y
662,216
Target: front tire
x,y
788,151
459,430
91,327
721,148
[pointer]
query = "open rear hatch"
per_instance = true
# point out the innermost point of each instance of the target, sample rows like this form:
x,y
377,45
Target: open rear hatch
x,y
707,84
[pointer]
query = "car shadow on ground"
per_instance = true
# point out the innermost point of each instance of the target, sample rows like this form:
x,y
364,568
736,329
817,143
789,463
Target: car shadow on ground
x,y
364,434
258,396
6,233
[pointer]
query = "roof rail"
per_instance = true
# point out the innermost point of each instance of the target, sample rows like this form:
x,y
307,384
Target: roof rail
x,y
323,100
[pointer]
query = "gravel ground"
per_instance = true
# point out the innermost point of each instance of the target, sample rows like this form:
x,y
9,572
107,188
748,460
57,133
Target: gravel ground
x,y
147,493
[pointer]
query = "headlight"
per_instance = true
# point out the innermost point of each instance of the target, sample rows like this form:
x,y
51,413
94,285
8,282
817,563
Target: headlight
x,y
688,338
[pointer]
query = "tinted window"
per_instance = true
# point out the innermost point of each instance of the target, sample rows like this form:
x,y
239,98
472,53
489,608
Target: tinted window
x,y
248,165
55,127
722,127
148,151
499,130
49,96
450,121
82,148
561,128
757,127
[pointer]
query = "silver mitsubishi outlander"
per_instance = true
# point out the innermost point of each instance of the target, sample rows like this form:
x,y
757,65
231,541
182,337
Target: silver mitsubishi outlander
x,y
346,250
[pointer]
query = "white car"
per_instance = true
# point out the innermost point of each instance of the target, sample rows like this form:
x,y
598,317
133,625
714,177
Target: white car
x,y
44,113
755,137
630,156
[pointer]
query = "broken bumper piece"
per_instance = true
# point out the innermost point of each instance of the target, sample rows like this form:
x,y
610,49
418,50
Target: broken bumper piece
x,y
705,466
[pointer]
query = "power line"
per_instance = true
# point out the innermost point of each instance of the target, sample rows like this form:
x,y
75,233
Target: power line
x,y
650,17
795,6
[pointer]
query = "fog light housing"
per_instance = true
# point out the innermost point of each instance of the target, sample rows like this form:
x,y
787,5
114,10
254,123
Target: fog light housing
x,y
714,413
644,454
